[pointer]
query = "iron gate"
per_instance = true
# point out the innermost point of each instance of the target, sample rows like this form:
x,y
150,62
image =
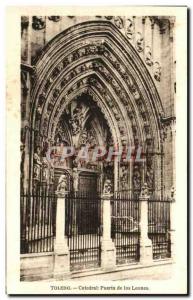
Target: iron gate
x,y
83,229
159,227
125,227
37,220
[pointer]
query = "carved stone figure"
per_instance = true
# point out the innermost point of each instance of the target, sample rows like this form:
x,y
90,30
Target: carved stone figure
x,y
130,29
84,138
148,56
124,178
136,178
136,94
45,170
150,178
38,23
39,112
107,189
144,191
157,71
119,22
37,164
62,184
139,42
76,120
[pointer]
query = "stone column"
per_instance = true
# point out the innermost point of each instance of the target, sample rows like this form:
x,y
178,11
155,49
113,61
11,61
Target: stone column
x,y
61,250
173,223
146,251
108,253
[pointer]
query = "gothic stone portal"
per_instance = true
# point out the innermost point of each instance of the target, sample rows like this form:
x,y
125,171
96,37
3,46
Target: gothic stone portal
x,y
94,84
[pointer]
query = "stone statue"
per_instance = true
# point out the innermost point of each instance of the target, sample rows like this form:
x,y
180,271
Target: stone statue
x,y
76,120
84,137
144,191
62,184
38,22
139,42
37,163
157,71
44,169
107,189
148,56
136,179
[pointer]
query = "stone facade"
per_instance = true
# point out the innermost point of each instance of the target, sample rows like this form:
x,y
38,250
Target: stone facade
x,y
139,114
95,81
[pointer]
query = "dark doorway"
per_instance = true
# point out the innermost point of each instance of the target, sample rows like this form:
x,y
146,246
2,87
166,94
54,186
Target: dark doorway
x,y
88,212
88,182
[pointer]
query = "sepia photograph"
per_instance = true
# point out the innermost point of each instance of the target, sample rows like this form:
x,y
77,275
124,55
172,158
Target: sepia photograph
x,y
97,141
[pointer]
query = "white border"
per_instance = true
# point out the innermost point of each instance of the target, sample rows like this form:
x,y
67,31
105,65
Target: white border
x,y
183,135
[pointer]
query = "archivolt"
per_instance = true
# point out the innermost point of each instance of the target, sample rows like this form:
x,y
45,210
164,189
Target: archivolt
x,y
97,57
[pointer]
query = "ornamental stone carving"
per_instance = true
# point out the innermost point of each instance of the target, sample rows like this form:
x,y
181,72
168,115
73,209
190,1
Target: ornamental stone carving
x,y
45,171
144,191
38,23
136,178
76,120
62,184
157,71
149,172
124,178
24,81
119,22
139,42
107,189
109,17
37,164
84,138
130,29
54,18
148,56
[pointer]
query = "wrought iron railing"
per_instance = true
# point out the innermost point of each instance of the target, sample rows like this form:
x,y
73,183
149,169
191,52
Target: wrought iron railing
x,y
83,229
125,230
37,221
159,227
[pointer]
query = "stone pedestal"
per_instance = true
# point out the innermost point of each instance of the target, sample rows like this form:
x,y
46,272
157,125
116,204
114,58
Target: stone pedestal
x,y
61,262
61,250
108,255
146,250
108,250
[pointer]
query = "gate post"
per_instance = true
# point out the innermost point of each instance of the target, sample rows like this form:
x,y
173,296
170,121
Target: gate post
x,y
172,223
61,250
146,251
108,253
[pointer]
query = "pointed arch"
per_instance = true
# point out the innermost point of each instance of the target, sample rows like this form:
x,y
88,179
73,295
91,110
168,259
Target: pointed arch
x,y
94,57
